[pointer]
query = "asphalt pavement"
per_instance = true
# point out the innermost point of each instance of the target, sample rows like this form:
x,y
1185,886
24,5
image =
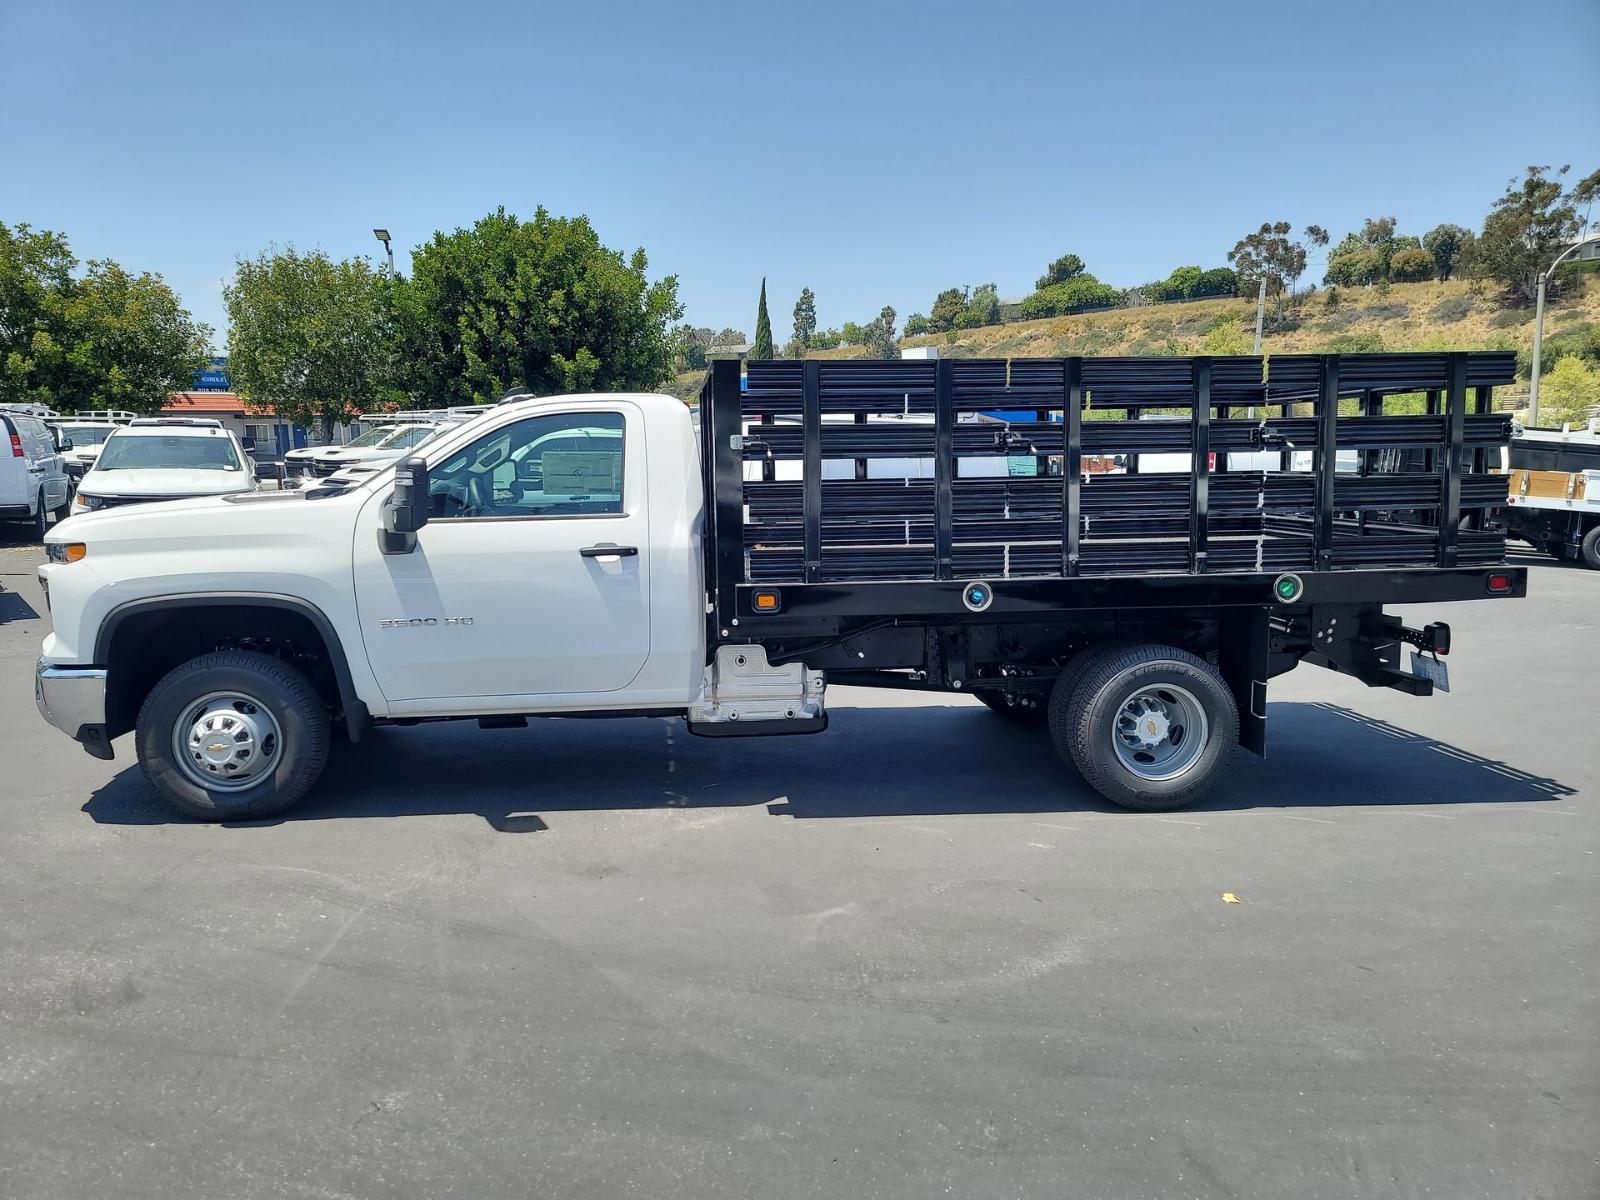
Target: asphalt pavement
x,y
914,956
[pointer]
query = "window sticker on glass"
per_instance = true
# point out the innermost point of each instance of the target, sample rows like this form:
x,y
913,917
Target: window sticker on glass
x,y
582,472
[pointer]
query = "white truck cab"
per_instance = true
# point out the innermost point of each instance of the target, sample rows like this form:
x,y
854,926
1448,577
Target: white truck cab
x,y
554,565
164,458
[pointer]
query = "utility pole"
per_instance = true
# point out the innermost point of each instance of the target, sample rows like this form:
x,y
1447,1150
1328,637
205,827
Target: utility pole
x,y
1261,309
1538,324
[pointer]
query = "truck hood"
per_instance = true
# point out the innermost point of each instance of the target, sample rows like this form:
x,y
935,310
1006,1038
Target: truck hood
x,y
162,482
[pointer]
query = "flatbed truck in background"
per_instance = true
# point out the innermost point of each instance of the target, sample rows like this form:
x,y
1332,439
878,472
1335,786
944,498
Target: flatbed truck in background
x,y
1553,501
597,555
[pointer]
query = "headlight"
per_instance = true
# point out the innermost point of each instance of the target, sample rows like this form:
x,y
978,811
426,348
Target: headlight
x,y
65,552
91,502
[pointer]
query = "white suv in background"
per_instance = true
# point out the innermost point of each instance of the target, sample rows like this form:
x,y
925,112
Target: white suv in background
x,y
165,458
33,475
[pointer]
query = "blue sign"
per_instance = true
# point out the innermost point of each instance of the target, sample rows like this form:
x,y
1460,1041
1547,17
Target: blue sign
x,y
213,378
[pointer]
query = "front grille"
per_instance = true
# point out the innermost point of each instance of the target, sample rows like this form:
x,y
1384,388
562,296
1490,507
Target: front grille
x,y
106,502
323,470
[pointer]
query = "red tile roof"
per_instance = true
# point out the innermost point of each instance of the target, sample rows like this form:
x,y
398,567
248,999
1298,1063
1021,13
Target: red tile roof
x,y
188,404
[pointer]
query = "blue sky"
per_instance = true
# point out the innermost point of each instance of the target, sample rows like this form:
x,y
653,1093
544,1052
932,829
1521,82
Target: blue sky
x,y
873,152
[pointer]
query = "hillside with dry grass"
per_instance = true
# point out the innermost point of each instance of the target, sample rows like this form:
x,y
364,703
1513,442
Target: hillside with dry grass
x,y
1409,316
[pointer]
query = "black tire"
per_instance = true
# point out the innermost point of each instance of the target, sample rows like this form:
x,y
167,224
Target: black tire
x,y
1083,719
1589,549
284,692
41,520
1031,707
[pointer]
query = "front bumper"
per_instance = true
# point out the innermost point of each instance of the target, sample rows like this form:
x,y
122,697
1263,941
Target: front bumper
x,y
73,699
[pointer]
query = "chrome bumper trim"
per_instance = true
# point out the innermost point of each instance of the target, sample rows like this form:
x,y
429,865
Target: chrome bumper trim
x,y
70,697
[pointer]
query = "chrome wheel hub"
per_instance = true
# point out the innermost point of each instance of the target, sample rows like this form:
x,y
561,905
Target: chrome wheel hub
x,y
227,741
1159,732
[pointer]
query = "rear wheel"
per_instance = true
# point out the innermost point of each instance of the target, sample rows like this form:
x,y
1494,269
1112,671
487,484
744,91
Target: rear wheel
x,y
41,519
233,735
1589,550
1149,727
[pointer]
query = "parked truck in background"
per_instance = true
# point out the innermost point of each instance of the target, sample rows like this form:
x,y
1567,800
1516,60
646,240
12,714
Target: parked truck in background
x,y
597,555
1554,496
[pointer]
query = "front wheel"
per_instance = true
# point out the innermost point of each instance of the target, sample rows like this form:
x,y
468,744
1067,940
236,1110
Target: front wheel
x,y
233,735
1149,727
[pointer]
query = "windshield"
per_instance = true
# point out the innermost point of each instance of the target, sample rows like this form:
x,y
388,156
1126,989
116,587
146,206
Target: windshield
x,y
371,437
134,452
87,435
408,438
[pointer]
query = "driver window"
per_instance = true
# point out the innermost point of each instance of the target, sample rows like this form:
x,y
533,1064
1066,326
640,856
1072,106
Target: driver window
x,y
560,465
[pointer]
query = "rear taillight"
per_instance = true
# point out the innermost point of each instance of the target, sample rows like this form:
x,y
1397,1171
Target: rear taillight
x,y
1498,584
16,445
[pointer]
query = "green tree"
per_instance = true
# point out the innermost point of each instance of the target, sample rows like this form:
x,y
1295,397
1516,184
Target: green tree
x,y
917,325
805,321
1446,243
878,335
851,334
690,344
309,337
130,343
1524,230
35,272
762,350
1570,392
947,308
1068,266
982,307
1411,265
826,339
540,303
107,339
1271,253
1077,294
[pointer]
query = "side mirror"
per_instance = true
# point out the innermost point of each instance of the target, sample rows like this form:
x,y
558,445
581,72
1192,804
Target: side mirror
x,y
63,444
269,470
407,508
249,444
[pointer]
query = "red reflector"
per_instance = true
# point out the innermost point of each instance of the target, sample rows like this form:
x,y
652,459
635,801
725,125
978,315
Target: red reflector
x,y
16,446
1499,584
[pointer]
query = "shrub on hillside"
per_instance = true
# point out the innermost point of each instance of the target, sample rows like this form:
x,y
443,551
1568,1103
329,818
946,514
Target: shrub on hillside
x,y
1570,392
1411,265
1508,317
1451,309
1368,341
1075,295
1583,343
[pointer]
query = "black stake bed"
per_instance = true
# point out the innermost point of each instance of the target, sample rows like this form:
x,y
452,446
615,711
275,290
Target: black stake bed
x,y
827,474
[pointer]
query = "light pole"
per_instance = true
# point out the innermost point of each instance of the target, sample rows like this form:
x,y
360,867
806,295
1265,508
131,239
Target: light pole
x,y
1590,239
383,236
1261,310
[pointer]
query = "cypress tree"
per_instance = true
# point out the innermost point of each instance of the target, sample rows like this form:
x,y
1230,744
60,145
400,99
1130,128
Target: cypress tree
x,y
762,350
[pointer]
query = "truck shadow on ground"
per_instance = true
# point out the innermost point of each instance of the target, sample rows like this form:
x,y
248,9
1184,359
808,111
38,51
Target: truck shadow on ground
x,y
14,608
874,762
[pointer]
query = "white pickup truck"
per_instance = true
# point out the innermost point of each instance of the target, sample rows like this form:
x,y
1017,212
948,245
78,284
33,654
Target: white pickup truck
x,y
594,555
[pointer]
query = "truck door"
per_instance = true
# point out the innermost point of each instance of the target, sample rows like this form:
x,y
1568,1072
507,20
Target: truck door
x,y
532,576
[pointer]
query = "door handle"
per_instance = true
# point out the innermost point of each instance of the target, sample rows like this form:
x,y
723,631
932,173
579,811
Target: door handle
x,y
609,551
